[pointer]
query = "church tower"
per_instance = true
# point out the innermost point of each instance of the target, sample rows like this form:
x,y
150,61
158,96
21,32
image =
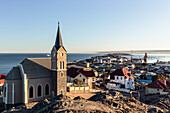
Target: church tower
x,y
146,58
59,65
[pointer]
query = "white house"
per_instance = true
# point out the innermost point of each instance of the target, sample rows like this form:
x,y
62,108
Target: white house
x,y
123,77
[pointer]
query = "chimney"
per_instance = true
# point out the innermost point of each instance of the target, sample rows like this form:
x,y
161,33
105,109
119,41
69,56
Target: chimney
x,y
165,82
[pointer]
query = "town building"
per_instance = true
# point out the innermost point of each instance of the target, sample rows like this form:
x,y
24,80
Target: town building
x,y
122,78
37,78
88,77
158,87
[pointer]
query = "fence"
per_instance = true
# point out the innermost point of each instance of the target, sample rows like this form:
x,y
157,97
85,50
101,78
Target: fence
x,y
73,89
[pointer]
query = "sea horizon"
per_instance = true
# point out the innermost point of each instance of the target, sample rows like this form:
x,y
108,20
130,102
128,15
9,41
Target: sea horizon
x,y
101,52
9,60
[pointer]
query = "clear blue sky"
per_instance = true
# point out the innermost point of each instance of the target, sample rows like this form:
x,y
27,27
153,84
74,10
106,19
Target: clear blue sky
x,y
87,25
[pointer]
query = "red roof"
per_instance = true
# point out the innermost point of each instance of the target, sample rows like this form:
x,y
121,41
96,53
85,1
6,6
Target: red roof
x,y
2,76
159,84
121,72
87,73
73,72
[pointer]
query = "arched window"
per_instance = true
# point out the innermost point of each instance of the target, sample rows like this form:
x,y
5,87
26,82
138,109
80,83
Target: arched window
x,y
63,64
31,92
47,89
39,91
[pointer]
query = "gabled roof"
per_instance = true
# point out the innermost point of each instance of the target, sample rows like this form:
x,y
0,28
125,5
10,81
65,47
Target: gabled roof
x,y
73,72
121,72
159,84
45,62
87,73
37,67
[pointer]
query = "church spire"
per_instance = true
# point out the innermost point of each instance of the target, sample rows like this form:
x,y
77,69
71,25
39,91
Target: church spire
x,y
58,42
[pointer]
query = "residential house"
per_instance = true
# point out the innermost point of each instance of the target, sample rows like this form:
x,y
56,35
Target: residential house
x,y
87,76
158,87
124,77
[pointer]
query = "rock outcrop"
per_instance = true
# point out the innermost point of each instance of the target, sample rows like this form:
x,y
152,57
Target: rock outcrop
x,y
99,103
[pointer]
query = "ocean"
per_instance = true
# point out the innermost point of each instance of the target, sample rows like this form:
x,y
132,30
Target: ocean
x,y
7,61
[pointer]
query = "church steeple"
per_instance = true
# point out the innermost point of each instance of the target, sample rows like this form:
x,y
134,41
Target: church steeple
x,y
58,42
59,65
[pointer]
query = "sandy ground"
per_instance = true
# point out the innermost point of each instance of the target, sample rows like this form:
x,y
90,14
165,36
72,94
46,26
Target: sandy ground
x,y
84,95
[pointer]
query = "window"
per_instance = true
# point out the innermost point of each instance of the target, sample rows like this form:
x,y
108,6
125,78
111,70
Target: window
x,y
83,80
157,89
127,82
60,65
117,77
39,91
61,54
31,92
121,78
80,75
47,89
63,64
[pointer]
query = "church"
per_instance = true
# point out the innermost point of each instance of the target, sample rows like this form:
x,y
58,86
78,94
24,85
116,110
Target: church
x,y
37,78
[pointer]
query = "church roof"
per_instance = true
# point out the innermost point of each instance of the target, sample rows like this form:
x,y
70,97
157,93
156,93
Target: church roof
x,y
14,74
45,62
33,68
37,67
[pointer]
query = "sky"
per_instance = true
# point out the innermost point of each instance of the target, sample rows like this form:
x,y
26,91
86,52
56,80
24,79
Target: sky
x,y
87,26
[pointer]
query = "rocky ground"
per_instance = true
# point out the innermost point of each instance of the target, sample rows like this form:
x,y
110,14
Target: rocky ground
x,y
99,103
